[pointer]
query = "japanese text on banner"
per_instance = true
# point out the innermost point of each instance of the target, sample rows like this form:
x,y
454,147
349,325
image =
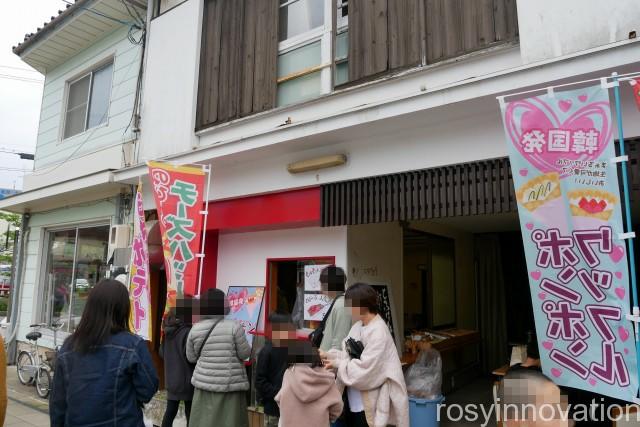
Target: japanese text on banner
x,y
178,193
139,273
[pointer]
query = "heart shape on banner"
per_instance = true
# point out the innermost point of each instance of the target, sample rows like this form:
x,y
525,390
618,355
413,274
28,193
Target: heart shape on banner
x,y
623,334
536,114
617,253
556,372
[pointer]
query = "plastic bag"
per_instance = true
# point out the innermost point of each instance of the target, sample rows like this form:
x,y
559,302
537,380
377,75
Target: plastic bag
x,y
424,377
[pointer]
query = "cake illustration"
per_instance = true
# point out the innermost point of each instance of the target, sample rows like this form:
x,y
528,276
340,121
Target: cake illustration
x,y
590,207
542,197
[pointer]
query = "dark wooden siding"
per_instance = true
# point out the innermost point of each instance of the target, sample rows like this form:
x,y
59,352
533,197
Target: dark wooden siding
x,y
383,35
478,188
237,60
457,27
391,34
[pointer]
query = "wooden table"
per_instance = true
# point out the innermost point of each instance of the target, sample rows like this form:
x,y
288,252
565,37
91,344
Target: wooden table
x,y
456,339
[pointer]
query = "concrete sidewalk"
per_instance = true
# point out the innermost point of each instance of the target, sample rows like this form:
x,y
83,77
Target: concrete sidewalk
x,y
19,415
28,406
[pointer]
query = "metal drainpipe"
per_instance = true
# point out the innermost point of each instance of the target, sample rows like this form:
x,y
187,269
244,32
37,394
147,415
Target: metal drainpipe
x,y
16,289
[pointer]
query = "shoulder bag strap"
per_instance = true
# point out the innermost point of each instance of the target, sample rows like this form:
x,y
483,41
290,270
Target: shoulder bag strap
x,y
324,319
207,336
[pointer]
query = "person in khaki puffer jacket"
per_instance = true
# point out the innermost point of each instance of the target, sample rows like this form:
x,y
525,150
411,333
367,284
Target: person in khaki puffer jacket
x,y
220,378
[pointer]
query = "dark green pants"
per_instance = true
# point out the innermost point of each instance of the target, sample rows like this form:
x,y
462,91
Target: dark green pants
x,y
210,409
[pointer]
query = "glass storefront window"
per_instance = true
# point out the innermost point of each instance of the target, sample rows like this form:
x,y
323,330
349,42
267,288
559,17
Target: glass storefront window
x,y
76,261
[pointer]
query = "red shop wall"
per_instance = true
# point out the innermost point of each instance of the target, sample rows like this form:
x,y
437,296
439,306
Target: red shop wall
x,y
287,209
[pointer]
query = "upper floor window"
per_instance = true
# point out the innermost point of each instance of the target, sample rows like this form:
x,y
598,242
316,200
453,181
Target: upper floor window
x,y
162,6
88,100
304,50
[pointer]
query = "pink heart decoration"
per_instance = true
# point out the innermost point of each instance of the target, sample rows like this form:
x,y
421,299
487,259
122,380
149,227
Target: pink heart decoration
x,y
619,274
556,372
592,381
626,351
524,172
617,253
548,345
565,105
583,98
542,296
525,116
529,226
623,334
535,275
620,292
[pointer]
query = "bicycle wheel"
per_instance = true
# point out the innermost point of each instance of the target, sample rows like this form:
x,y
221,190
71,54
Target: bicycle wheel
x,y
25,368
43,382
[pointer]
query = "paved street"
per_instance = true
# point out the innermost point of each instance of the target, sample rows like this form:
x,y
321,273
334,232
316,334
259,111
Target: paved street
x,y
24,416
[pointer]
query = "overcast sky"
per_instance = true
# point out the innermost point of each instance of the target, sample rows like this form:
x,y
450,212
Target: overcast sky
x,y
20,86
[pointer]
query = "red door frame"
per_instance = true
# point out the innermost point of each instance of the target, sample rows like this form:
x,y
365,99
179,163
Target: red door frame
x,y
267,285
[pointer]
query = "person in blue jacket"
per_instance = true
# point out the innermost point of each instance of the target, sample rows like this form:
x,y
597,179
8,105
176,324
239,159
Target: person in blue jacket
x,y
104,373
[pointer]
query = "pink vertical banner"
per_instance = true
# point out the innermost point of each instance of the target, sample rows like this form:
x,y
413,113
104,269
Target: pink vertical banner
x,y
566,182
139,273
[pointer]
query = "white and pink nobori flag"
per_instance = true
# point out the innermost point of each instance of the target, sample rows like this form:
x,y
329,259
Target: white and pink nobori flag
x,y
139,273
561,149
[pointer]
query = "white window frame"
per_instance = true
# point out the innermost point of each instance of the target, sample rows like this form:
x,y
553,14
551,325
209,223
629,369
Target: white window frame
x,y
45,308
89,72
323,34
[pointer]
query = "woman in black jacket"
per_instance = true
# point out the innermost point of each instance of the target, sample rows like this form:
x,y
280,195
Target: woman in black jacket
x,y
272,363
177,369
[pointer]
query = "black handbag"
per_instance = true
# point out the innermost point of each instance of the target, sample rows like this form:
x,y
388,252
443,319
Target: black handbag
x,y
316,336
354,348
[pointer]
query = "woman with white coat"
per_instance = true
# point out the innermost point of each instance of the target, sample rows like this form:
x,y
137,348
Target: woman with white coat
x,y
368,366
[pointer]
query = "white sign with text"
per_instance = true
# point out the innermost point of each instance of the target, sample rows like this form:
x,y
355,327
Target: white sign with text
x,y
312,277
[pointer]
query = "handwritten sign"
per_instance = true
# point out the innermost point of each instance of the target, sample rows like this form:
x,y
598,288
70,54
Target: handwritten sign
x,y
245,305
316,306
569,205
312,277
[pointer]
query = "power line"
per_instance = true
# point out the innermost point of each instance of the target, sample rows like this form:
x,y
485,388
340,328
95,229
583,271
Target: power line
x,y
20,79
19,69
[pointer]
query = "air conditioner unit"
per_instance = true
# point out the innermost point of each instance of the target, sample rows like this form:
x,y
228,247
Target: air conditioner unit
x,y
119,238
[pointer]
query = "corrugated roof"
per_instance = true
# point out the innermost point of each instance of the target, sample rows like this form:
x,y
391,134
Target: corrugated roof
x,y
31,38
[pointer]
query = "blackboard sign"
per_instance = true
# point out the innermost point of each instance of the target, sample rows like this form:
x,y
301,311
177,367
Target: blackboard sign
x,y
386,306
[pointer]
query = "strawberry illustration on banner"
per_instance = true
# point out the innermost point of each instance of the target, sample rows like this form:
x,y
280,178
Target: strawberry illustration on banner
x,y
178,193
139,273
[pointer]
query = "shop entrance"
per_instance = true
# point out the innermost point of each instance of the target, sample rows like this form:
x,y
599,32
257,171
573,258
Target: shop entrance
x,y
285,286
466,290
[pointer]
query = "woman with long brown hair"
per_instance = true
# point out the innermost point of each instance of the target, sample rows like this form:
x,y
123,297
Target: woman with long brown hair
x,y
104,373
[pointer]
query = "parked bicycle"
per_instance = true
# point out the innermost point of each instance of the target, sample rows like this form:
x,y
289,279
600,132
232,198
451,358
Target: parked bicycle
x,y
32,367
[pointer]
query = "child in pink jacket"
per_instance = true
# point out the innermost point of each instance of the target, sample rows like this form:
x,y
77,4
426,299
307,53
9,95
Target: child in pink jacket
x,y
309,396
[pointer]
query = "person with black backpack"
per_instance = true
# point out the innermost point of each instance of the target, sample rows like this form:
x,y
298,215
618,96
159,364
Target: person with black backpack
x,y
218,347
